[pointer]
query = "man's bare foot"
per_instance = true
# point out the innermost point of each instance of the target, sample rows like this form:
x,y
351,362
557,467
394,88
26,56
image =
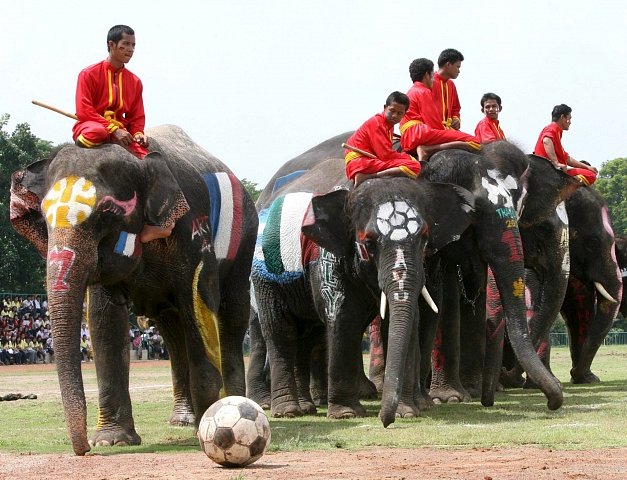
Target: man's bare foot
x,y
362,177
423,153
153,232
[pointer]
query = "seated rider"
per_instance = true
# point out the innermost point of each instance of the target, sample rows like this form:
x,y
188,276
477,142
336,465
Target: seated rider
x,y
488,129
549,146
421,128
110,108
374,138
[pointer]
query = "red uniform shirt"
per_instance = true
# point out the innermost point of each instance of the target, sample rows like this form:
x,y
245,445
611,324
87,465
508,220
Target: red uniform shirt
x,y
375,137
111,97
489,130
554,132
446,100
421,107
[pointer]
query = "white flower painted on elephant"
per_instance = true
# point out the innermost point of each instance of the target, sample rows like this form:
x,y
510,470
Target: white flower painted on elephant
x,y
499,187
564,239
398,220
69,202
399,274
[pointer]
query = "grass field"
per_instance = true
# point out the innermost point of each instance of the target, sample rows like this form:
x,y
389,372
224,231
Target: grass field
x,y
593,416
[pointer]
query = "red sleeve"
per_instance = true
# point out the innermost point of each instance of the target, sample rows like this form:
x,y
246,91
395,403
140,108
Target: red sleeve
x,y
454,99
381,142
135,116
87,92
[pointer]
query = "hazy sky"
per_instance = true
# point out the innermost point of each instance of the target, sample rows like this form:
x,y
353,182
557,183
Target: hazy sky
x,y
259,82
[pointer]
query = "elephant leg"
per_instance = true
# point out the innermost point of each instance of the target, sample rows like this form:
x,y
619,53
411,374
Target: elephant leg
x,y
376,369
446,386
302,373
319,383
182,411
472,349
258,378
344,336
108,325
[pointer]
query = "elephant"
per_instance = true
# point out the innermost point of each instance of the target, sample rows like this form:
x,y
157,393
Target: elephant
x,y
83,210
512,191
325,258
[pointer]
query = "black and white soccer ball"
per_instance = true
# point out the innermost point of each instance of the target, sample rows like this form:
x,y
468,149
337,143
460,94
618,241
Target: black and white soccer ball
x,y
234,432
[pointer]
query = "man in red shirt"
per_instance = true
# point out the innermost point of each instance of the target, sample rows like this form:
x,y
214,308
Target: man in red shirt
x,y
444,91
109,103
549,146
488,129
421,128
375,138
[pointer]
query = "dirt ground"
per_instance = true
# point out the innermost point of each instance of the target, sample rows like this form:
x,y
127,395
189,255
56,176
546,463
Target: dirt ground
x,y
372,463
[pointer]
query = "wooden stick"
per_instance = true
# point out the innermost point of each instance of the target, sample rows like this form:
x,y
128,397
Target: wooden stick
x,y
54,109
358,150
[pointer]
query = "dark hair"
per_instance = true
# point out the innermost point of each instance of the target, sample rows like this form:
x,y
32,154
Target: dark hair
x,y
397,97
490,96
559,110
419,67
115,33
450,55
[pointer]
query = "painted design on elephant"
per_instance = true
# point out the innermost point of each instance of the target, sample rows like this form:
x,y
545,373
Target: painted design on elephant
x,y
398,220
278,252
128,244
69,202
437,357
499,188
494,307
507,212
518,288
200,229
207,322
226,214
63,259
399,275
564,238
118,207
542,348
332,295
511,238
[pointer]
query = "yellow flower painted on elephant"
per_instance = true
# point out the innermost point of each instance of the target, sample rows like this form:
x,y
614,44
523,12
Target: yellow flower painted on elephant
x,y
519,288
208,326
69,202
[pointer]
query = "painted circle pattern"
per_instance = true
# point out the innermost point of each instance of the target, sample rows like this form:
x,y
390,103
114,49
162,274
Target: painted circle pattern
x,y
398,220
69,202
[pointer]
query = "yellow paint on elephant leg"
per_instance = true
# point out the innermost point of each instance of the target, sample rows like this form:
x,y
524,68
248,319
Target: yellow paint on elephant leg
x,y
209,329
519,288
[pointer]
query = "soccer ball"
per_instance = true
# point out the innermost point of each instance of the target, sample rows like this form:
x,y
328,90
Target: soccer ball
x,y
234,432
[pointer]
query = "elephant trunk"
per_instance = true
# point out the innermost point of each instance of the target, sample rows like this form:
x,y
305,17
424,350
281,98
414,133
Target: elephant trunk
x,y
66,283
402,291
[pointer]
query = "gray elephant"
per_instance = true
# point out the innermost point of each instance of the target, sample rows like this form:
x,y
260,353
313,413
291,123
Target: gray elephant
x,y
368,241
512,191
83,210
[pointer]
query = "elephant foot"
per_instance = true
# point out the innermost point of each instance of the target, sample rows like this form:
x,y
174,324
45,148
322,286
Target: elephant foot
x,y
338,412
182,419
367,390
449,395
114,437
511,379
286,410
406,410
261,398
319,396
586,377
424,402
307,407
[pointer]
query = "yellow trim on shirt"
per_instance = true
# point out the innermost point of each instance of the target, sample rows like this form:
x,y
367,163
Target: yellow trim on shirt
x,y
409,124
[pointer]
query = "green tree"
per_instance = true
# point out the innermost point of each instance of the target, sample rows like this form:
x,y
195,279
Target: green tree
x,y
22,267
612,184
251,188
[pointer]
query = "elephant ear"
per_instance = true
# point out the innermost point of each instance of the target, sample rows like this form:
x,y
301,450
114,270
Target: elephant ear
x,y
28,187
327,224
449,210
165,201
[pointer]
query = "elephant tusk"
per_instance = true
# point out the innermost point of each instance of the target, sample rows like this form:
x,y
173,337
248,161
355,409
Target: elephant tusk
x,y
382,307
429,300
604,293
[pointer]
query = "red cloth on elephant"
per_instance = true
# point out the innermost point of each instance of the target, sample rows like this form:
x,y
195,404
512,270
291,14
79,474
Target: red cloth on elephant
x,y
554,132
489,130
421,124
375,137
446,100
108,98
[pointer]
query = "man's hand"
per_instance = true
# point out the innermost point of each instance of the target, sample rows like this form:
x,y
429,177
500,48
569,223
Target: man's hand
x,y
455,123
122,137
141,139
